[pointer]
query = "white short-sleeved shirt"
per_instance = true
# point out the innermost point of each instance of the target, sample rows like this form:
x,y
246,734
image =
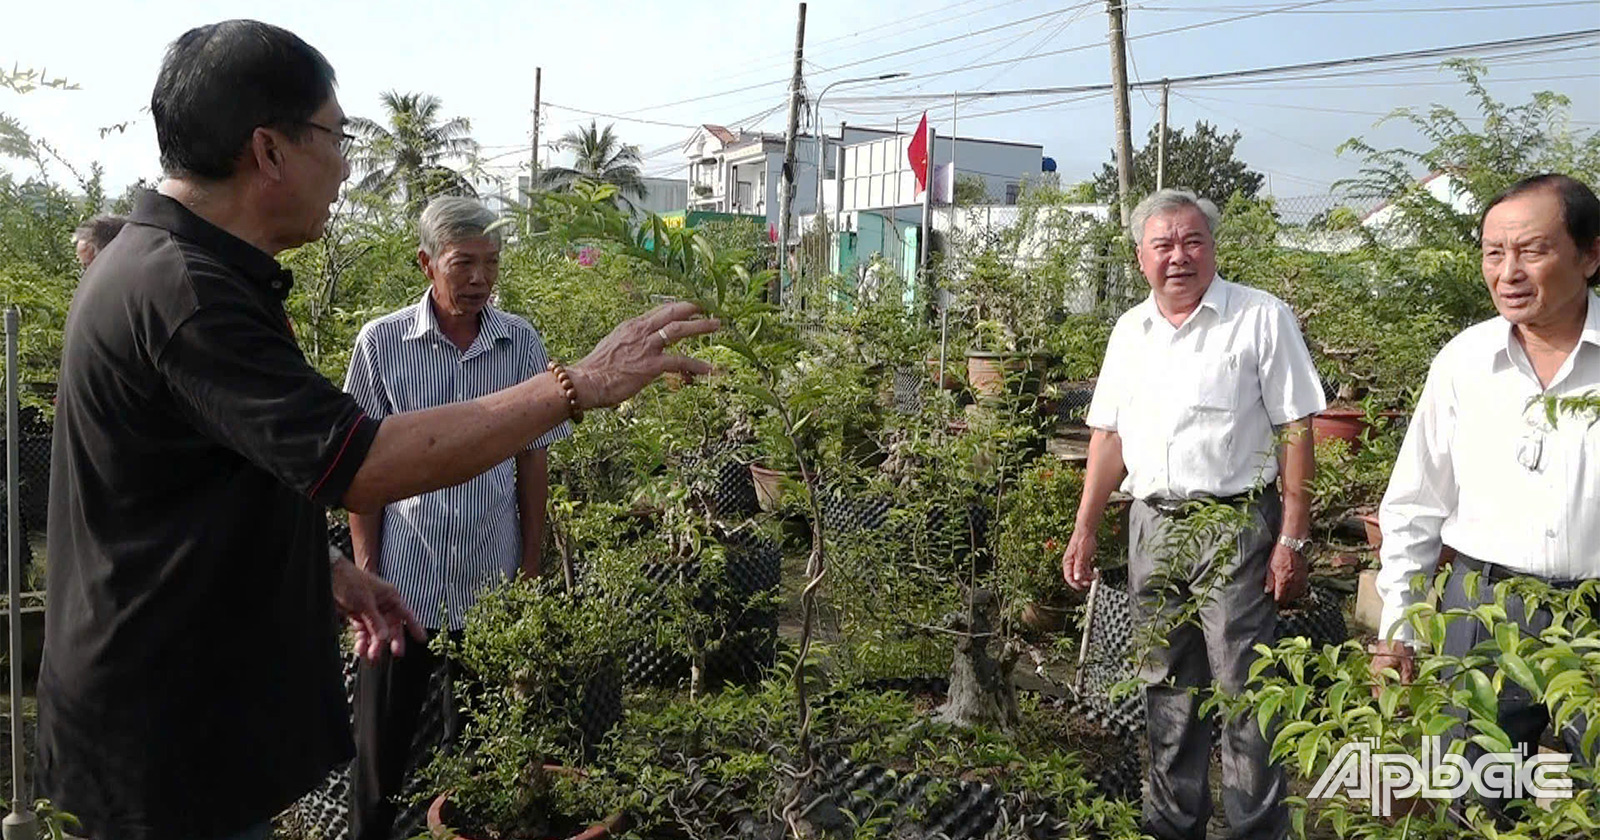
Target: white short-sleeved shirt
x,y
1195,405
1484,471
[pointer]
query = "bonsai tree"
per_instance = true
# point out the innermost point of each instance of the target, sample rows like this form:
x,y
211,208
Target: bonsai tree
x,y
544,663
754,330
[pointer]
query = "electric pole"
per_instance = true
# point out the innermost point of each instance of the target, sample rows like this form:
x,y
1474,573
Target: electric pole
x,y
1161,143
533,161
786,185
1119,91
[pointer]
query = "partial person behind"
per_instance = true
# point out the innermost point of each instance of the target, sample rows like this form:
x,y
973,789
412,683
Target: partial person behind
x,y
92,237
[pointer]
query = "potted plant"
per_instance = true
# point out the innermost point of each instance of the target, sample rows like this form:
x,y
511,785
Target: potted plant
x,y
545,692
1037,518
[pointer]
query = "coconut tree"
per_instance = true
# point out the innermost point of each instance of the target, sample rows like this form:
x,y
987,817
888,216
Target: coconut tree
x,y
407,158
599,156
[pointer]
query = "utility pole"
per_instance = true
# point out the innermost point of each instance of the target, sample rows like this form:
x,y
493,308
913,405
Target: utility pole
x,y
533,161
1161,143
786,186
1119,91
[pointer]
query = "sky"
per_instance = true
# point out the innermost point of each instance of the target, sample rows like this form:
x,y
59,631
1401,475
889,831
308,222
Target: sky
x,y
731,59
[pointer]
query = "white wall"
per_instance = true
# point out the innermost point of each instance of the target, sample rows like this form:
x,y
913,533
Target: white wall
x,y
663,195
878,176
1001,165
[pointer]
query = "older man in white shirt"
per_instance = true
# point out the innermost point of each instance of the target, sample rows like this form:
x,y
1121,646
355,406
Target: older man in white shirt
x,y
1206,393
1482,469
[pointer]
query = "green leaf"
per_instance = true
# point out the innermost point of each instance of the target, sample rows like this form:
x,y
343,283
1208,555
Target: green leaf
x,y
1506,636
1388,700
1302,693
1285,743
1336,697
1518,670
1437,724
1308,754
1481,697
1269,705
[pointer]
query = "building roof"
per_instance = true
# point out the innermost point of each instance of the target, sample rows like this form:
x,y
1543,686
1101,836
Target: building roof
x,y
718,132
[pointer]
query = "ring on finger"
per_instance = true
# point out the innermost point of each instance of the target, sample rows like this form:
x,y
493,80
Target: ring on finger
x,y
665,339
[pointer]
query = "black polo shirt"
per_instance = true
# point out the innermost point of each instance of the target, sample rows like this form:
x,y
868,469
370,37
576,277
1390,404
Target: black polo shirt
x,y
191,681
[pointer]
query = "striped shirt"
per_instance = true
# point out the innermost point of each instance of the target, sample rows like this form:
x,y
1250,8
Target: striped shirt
x,y
442,549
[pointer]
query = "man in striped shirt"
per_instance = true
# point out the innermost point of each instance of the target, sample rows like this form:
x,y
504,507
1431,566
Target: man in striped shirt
x,y
440,549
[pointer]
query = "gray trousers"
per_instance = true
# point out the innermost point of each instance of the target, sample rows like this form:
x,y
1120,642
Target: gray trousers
x,y
1523,718
1237,615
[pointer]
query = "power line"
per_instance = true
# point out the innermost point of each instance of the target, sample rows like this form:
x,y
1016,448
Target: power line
x,y
932,14
1405,11
1556,78
618,117
1322,110
1431,52
1005,62
1413,67
785,81
1076,16
965,35
1098,44
1302,144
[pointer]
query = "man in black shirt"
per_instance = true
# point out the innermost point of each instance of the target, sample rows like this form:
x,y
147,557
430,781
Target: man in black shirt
x,y
190,687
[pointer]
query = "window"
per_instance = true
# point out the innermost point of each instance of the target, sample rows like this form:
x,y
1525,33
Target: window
x,y
1012,190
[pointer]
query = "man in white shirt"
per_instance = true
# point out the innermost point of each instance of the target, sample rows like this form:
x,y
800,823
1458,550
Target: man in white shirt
x,y
1200,383
1482,469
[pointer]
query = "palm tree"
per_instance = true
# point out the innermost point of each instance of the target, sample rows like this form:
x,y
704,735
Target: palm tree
x,y
598,156
408,156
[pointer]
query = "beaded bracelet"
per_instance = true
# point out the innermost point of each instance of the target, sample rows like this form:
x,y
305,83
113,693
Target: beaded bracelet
x,y
571,393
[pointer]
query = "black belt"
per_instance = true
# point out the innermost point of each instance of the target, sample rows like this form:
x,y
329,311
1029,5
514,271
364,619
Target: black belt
x,y
1183,507
1495,573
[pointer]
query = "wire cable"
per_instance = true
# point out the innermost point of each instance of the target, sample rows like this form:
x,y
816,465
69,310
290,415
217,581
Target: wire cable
x,y
1406,11
1431,52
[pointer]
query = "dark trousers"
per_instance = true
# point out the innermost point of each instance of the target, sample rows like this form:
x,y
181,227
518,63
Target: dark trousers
x,y
401,710
1519,715
1234,617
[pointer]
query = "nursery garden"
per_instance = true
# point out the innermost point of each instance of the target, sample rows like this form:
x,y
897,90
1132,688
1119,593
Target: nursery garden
x,y
819,593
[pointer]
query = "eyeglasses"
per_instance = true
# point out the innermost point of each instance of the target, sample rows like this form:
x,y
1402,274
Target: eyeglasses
x,y
345,138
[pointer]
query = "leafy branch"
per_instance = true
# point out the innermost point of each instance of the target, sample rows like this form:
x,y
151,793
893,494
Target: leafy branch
x,y
723,287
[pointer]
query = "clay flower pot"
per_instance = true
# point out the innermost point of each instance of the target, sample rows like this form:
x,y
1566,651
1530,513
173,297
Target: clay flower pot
x,y
1346,424
986,373
1369,521
769,487
942,378
1044,617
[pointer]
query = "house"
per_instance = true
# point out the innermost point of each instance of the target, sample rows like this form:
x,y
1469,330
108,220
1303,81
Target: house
x,y
878,209
1441,186
740,172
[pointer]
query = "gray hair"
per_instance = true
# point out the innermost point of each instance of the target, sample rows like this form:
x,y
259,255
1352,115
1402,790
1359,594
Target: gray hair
x,y
1165,201
452,218
100,230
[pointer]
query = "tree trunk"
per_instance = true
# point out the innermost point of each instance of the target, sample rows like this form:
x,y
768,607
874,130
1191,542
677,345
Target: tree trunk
x,y
981,690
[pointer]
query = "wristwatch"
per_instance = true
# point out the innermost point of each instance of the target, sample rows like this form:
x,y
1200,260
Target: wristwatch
x,y
1298,546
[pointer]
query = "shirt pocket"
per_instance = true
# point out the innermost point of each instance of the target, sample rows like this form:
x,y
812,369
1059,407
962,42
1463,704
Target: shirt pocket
x,y
1217,381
